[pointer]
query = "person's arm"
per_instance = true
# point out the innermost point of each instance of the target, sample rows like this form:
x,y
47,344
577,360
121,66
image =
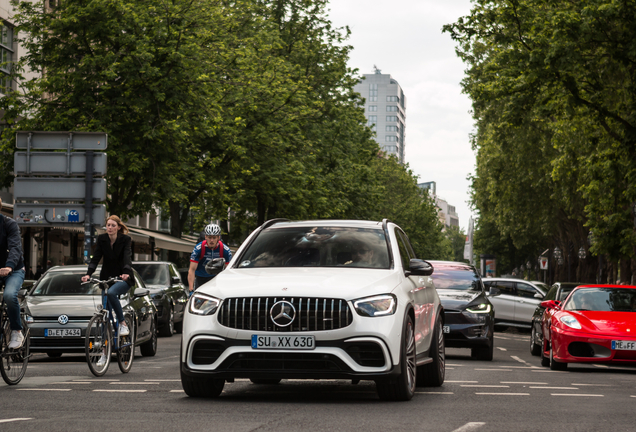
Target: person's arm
x,y
191,270
97,256
14,244
227,254
127,258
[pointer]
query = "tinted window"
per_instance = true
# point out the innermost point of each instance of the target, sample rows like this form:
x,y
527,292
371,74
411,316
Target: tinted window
x,y
526,291
318,247
565,291
456,278
551,295
64,283
404,253
505,287
602,299
153,274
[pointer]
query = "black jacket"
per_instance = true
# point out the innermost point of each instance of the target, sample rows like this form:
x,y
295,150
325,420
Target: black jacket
x,y
10,244
117,260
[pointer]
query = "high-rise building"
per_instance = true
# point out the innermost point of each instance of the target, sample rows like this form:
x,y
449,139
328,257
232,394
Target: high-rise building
x,y
446,212
385,109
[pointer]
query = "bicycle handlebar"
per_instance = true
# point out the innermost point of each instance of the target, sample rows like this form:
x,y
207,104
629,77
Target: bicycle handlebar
x,y
102,282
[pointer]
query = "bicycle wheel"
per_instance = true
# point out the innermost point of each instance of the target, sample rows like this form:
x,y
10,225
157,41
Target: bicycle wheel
x,y
98,342
126,350
14,362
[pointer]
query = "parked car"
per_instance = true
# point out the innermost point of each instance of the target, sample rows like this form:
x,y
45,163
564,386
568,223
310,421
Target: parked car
x,y
558,292
514,300
167,291
58,301
469,317
594,324
317,299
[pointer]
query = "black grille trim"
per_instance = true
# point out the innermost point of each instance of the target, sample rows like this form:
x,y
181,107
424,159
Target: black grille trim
x,y
284,362
206,352
312,314
368,354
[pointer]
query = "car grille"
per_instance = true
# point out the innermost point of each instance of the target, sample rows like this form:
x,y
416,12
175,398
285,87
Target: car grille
x,y
289,362
70,342
366,354
206,352
312,314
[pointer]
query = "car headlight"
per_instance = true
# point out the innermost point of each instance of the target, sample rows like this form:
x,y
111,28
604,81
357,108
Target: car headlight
x,y
202,304
482,308
29,319
570,321
381,305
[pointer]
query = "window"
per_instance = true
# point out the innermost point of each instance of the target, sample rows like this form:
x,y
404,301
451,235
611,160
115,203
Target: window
x,y
404,252
373,119
391,149
373,92
391,108
525,290
373,108
507,288
392,99
391,118
6,56
390,138
392,129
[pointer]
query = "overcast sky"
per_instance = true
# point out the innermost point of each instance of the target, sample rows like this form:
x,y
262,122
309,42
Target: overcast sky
x,y
404,38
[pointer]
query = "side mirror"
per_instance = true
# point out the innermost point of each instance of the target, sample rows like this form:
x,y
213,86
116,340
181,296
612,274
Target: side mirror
x,y
493,292
175,280
538,296
550,304
22,293
141,292
419,267
215,266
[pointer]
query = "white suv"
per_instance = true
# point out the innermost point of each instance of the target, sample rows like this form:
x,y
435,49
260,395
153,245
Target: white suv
x,y
317,299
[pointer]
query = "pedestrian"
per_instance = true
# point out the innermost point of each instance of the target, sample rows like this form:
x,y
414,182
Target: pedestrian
x,y
39,271
12,274
203,252
115,247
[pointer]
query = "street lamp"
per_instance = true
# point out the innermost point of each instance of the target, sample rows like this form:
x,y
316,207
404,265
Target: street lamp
x,y
582,253
557,253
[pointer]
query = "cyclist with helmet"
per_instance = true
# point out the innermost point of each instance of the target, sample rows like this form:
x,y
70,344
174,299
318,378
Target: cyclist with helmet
x,y
203,252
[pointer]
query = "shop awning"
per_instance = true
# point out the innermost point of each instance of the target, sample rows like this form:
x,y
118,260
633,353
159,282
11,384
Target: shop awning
x,y
165,241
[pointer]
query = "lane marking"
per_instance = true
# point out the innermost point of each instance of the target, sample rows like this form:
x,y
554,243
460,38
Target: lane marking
x,y
42,389
498,370
135,383
523,367
485,386
15,419
633,396
452,368
522,382
601,366
120,391
470,427
594,385
96,380
71,382
471,382
177,391
453,364
576,394
165,380
546,371
442,393
520,360
502,349
554,388
504,394
501,337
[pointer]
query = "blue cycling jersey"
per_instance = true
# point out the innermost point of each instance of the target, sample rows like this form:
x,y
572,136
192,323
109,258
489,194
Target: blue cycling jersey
x,y
202,254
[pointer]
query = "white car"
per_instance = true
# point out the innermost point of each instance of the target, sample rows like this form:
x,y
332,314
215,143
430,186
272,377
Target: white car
x,y
317,299
514,300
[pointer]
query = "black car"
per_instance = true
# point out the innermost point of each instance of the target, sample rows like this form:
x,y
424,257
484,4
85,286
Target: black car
x,y
58,309
468,314
559,291
167,291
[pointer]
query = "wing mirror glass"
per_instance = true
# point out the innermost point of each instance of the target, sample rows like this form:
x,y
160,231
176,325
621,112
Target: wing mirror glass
x,y
419,267
141,292
175,280
215,266
492,292
538,296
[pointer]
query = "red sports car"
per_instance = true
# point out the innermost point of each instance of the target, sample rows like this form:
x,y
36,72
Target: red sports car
x,y
594,324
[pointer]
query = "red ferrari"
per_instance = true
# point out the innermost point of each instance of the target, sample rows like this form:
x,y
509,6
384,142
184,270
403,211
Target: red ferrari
x,y
594,324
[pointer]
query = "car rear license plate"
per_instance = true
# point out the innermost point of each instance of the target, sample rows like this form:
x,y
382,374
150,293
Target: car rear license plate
x,y
624,345
446,329
283,342
62,332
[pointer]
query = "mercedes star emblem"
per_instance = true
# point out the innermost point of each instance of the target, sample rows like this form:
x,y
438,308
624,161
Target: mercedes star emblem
x,y
62,319
282,313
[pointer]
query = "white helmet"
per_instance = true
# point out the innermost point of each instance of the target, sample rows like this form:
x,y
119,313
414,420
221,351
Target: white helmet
x,y
212,229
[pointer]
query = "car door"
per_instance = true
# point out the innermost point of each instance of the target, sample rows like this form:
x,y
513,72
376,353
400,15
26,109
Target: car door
x,y
526,302
504,303
143,309
178,292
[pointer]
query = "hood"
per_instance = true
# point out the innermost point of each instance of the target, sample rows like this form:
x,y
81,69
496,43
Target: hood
x,y
81,305
457,299
621,324
346,283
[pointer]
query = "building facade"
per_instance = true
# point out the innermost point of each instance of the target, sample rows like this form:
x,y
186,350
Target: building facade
x,y
446,212
385,110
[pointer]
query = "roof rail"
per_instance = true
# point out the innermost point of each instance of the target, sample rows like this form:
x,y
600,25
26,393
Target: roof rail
x,y
271,222
385,224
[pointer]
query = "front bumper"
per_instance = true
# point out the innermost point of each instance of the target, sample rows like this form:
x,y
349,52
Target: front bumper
x,y
467,330
580,347
41,343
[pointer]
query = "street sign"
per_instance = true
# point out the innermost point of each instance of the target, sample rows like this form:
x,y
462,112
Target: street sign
x,y
56,163
543,262
62,140
56,189
56,214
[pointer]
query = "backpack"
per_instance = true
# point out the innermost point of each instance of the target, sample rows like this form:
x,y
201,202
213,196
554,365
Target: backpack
x,y
204,244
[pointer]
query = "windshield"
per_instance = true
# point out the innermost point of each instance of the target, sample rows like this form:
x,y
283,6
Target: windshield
x,y
602,299
463,279
153,274
64,284
543,287
318,247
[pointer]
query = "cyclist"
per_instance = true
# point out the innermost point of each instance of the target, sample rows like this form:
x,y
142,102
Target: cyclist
x,y
210,248
114,247
12,274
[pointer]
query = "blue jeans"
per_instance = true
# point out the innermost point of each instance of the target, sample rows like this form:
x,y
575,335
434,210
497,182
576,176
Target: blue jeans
x,y
113,292
13,284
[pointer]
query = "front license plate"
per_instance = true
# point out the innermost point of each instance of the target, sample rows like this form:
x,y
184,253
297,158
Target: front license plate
x,y
446,329
283,342
624,345
62,332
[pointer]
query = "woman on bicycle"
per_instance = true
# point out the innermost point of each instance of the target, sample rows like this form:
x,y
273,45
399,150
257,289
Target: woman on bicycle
x,y
114,247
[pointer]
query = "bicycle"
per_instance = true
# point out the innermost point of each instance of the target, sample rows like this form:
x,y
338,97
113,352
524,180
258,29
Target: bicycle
x,y
102,335
14,361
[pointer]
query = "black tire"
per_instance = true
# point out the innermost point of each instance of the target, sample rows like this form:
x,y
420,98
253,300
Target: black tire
x,y
402,388
167,330
178,326
98,336
501,328
545,361
273,381
54,354
555,365
126,348
201,387
485,353
149,349
535,348
433,374
14,362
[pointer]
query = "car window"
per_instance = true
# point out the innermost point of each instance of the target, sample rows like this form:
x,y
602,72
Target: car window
x,y
317,246
404,253
139,283
526,290
505,287
153,274
551,295
457,278
173,271
64,284
602,299
565,291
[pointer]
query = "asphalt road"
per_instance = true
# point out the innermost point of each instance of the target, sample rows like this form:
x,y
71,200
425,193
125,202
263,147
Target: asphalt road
x,y
511,393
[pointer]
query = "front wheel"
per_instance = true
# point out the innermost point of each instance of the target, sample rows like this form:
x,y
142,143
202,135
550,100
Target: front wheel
x,y
14,362
168,328
555,365
149,349
98,344
433,373
126,348
535,348
402,388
